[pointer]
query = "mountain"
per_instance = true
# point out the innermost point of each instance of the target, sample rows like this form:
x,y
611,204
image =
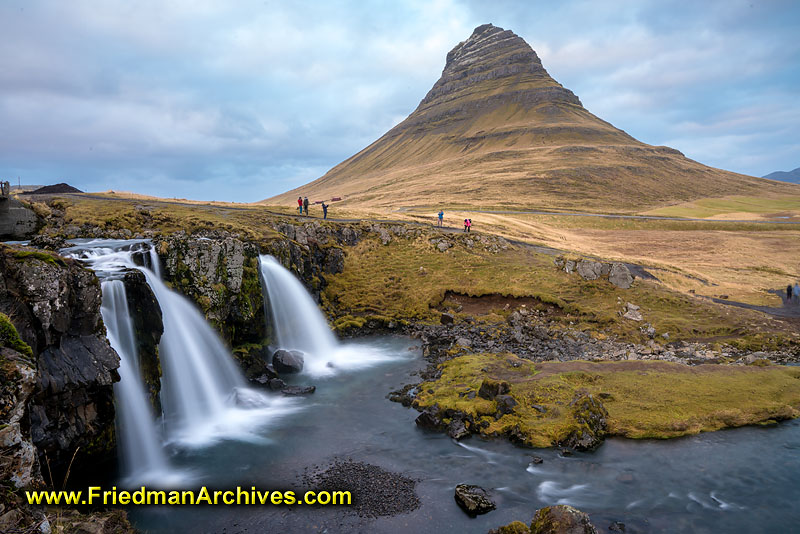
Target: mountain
x,y
783,176
497,131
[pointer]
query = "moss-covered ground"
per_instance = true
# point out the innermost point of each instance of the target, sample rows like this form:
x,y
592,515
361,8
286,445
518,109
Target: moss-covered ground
x,y
644,399
409,278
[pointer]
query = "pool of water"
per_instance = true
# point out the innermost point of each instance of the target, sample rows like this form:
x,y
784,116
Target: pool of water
x,y
742,480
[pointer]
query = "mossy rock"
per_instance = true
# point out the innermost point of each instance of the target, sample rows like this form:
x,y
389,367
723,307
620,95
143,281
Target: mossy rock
x,y
517,527
9,337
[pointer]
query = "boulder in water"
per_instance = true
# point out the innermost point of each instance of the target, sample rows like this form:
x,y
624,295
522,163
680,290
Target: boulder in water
x,y
298,390
561,519
474,500
287,361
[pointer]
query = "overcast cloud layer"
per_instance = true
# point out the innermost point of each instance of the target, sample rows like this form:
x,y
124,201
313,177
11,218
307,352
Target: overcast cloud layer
x,y
243,100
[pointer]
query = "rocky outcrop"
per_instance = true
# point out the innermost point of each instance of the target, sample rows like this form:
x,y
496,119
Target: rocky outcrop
x,y
55,305
220,273
616,273
474,500
148,329
16,220
561,519
590,425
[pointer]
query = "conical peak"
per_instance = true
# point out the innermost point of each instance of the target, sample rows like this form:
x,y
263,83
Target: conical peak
x,y
490,47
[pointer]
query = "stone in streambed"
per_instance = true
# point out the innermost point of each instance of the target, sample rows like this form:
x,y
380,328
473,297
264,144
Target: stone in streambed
x,y
561,519
287,361
457,429
430,418
298,390
474,500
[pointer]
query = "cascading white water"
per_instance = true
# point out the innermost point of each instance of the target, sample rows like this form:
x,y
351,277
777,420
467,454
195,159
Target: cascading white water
x,y
300,325
200,380
155,263
142,456
203,393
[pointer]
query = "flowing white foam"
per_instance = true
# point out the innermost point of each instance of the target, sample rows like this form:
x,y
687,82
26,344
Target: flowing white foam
x,y
553,492
299,325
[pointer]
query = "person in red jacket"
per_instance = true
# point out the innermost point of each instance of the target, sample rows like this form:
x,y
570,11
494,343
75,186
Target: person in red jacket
x,y
300,204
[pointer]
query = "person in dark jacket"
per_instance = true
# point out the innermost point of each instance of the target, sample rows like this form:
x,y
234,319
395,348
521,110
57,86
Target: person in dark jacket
x,y
788,293
324,210
305,204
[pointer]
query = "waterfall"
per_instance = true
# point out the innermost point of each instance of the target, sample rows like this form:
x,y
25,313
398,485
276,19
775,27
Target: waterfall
x,y
203,393
154,263
200,380
300,325
141,453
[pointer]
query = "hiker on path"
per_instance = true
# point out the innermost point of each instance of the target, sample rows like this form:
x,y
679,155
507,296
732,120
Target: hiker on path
x,y
305,204
300,204
441,217
465,225
788,293
469,225
796,292
324,210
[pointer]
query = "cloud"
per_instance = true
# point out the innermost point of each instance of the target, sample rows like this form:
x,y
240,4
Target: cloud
x,y
175,97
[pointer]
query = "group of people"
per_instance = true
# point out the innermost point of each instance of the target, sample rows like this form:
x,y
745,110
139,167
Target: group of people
x,y
793,293
440,221
302,204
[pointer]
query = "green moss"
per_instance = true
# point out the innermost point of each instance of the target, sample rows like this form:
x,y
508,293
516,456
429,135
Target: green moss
x,y
644,399
9,337
517,527
46,257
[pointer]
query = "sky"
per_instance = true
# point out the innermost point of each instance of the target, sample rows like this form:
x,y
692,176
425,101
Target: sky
x,y
240,101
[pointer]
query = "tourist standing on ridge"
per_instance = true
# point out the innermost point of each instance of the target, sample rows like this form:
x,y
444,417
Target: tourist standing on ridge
x,y
300,204
441,217
305,205
324,210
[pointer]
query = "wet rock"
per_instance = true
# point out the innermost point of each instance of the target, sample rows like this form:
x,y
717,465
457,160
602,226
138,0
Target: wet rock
x,y
516,527
617,526
48,242
590,420
430,418
457,429
298,390
276,384
491,388
561,519
287,361
536,460
474,500
505,404
620,276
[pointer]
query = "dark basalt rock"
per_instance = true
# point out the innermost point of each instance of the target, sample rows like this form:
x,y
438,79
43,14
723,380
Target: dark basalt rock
x,y
276,384
457,429
55,306
148,327
492,388
474,500
430,418
287,361
505,404
298,390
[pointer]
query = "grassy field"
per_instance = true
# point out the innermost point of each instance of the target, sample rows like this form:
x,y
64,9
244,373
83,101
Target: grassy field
x,y
643,399
736,207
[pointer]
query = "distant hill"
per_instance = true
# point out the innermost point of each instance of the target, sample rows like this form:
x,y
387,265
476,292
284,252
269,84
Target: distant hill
x,y
53,189
783,176
497,131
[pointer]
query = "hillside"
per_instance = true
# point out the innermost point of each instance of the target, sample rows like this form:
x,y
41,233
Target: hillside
x,y
496,131
783,176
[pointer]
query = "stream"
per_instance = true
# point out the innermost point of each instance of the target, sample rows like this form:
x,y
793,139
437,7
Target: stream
x,y
741,480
